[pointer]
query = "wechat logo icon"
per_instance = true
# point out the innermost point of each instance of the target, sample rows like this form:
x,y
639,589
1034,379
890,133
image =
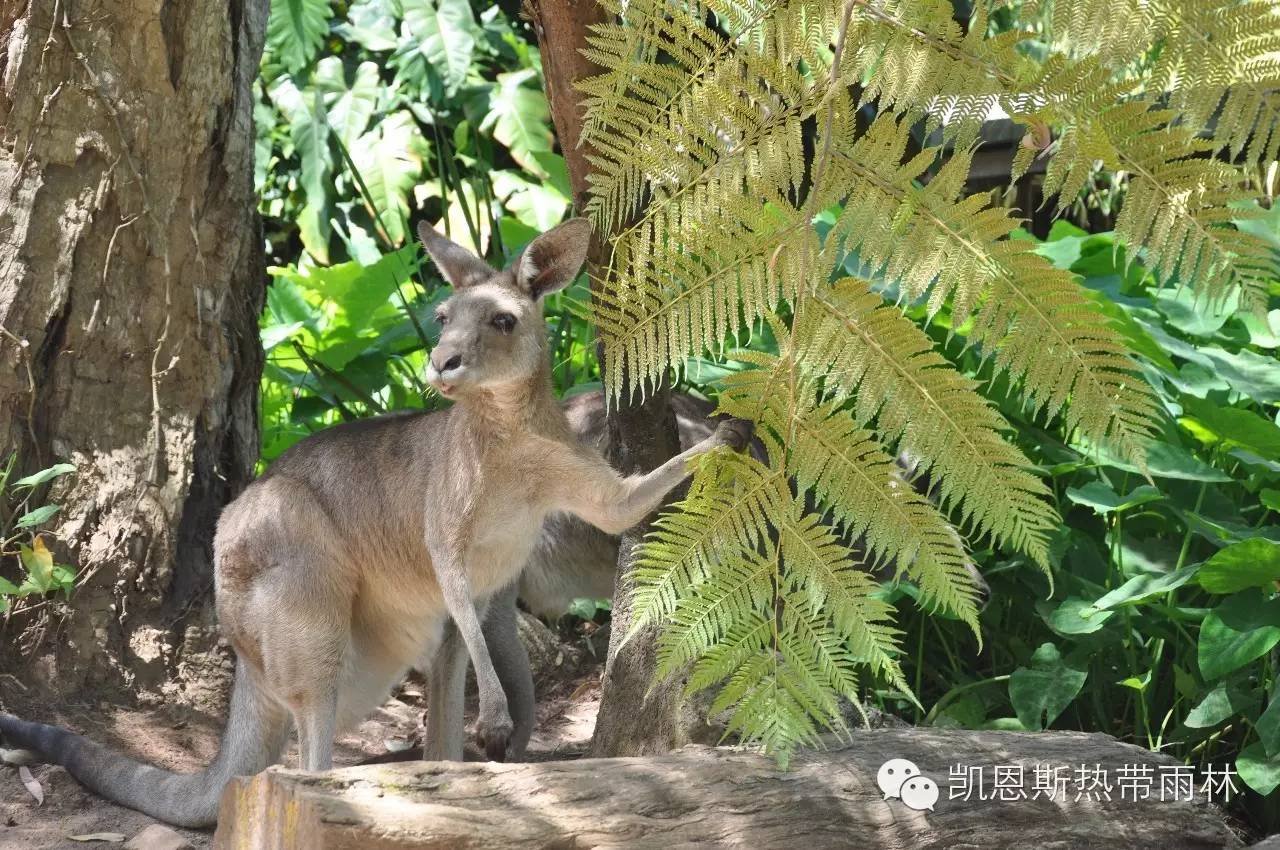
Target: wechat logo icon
x,y
901,779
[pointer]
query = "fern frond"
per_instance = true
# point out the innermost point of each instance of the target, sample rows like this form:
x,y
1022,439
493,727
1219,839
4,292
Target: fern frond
x,y
738,585
832,585
851,475
1179,205
1034,320
920,63
692,278
1219,60
773,705
872,353
725,515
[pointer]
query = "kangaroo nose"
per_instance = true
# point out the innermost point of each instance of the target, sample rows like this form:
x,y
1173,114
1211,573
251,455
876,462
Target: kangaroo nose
x,y
452,363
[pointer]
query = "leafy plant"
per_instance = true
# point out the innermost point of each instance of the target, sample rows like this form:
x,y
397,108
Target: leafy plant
x,y
20,521
371,114
1163,612
703,183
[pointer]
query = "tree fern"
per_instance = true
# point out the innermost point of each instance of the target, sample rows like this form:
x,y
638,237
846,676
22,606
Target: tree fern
x,y
1216,58
763,579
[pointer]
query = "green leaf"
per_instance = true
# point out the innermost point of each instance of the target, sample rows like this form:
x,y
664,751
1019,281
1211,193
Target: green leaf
x,y
33,518
272,335
1242,628
519,119
1139,341
1227,700
64,578
38,478
1249,563
1041,692
371,24
309,133
296,29
1103,500
1264,331
538,205
1270,498
358,291
1075,616
7,588
446,33
1240,427
1247,372
389,159
1164,460
350,107
1268,725
1258,770
1189,311
1145,585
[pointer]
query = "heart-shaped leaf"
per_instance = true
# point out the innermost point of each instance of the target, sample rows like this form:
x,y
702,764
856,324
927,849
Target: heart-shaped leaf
x,y
1041,692
1258,770
1244,627
1249,563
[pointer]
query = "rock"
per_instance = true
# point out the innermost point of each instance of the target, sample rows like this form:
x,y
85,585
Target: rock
x,y
157,837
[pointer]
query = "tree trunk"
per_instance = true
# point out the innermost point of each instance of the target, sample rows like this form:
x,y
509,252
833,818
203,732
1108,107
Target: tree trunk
x,y
642,434
709,797
131,280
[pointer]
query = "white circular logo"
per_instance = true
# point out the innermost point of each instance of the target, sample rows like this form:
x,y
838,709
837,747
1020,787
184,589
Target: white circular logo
x,y
893,773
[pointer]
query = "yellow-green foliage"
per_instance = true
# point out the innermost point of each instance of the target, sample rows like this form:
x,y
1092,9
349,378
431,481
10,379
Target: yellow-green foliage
x,y
702,179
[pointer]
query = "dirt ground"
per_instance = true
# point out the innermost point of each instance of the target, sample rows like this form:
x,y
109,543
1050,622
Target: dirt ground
x,y
185,738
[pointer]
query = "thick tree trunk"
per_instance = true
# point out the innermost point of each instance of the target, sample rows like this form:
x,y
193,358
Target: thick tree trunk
x,y
131,279
707,797
642,434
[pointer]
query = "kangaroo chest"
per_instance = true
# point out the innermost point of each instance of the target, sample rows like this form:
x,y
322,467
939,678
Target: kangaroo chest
x,y
503,530
499,507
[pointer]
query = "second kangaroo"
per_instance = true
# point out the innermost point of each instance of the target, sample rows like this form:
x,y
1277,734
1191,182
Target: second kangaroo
x,y
338,569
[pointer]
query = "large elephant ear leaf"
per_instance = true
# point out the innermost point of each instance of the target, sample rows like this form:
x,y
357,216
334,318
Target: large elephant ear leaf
x,y
520,119
296,29
446,34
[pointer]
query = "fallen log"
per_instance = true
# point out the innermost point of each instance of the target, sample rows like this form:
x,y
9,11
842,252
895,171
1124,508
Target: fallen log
x,y
993,793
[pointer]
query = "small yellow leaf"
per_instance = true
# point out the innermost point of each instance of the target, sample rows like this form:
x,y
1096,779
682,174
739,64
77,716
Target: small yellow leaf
x,y
39,563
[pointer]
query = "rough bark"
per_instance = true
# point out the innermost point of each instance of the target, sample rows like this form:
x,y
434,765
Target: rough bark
x,y
712,797
131,279
642,432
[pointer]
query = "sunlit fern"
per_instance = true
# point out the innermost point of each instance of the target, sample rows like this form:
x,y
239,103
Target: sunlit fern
x,y
1216,58
762,580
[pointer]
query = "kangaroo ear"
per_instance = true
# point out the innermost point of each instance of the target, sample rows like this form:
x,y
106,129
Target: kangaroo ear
x,y
457,265
553,260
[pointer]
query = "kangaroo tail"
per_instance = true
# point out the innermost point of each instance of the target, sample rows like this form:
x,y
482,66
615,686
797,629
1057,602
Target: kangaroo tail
x,y
256,734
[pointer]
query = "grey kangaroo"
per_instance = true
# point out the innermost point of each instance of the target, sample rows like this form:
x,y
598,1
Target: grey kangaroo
x,y
339,568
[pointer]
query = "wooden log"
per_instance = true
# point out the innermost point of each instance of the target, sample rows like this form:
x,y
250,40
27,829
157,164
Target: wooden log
x,y
717,797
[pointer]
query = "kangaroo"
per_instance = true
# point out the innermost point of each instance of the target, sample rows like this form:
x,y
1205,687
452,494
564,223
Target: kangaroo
x,y
339,568
570,559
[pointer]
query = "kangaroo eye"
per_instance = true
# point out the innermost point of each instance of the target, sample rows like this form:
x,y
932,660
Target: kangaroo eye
x,y
442,319
504,322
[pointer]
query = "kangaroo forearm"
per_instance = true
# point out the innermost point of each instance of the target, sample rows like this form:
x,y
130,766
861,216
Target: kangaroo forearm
x,y
642,494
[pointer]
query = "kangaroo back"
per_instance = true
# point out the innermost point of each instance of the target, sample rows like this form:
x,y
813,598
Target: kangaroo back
x,y
256,734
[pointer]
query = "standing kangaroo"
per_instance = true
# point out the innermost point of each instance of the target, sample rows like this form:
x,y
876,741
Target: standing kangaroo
x,y
338,569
